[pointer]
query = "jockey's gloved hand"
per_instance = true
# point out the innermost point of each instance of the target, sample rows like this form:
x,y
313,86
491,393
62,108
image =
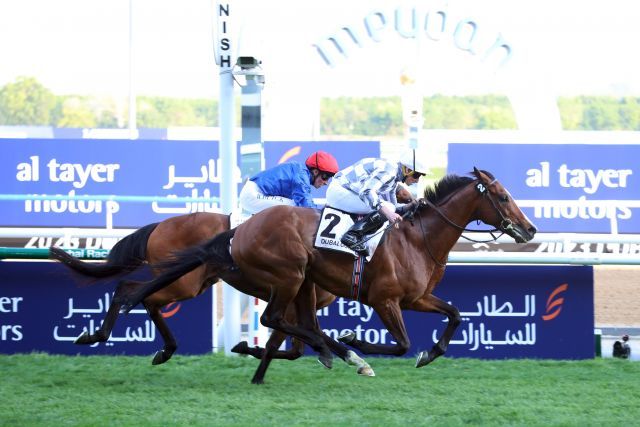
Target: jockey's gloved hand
x,y
401,210
389,212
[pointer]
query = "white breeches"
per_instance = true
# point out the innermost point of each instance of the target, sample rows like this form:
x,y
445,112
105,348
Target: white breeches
x,y
253,201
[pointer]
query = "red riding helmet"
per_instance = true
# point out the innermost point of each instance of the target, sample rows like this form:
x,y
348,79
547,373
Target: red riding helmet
x,y
322,161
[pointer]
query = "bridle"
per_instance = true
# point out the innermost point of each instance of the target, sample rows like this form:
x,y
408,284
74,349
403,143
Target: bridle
x,y
505,223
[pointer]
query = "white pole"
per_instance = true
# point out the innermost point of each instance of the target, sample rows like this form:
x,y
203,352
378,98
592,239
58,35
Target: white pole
x,y
228,149
132,93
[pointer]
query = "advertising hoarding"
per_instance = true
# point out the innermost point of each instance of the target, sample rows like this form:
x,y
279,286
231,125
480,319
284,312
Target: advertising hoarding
x,y
43,308
506,311
569,188
147,168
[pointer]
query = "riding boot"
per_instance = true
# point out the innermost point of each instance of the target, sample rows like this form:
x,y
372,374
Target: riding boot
x,y
367,225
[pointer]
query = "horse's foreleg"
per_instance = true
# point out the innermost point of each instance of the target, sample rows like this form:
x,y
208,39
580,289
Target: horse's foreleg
x,y
103,333
435,304
170,344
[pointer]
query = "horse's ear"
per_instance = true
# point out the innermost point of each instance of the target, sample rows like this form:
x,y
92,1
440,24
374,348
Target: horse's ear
x,y
481,175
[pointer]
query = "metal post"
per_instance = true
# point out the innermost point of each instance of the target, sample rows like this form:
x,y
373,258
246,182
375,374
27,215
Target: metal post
x,y
251,145
228,148
132,92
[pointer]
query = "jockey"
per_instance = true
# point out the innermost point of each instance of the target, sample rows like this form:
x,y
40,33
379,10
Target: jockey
x,y
369,187
288,183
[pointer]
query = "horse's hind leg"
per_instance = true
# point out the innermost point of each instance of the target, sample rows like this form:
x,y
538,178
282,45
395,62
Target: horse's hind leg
x,y
296,350
170,344
349,356
273,317
103,332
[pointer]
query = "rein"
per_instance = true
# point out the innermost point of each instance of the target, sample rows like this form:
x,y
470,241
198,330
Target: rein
x,y
504,223
463,229
407,214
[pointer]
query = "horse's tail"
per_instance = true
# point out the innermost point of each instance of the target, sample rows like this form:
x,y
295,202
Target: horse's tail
x,y
125,256
213,253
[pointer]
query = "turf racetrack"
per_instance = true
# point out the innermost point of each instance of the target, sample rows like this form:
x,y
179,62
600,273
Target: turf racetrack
x,y
214,390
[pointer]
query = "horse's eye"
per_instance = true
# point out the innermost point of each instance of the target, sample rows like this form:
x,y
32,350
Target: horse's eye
x,y
504,199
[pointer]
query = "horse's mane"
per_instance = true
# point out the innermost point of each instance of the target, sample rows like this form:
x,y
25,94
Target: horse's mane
x,y
447,185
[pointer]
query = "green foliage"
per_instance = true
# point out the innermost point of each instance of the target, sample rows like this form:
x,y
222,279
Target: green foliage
x,y
213,390
600,113
74,113
26,102
361,116
468,112
383,116
158,112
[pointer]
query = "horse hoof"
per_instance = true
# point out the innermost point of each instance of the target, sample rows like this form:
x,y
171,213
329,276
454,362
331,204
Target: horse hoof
x,y
423,359
241,348
347,337
159,358
257,381
366,371
326,362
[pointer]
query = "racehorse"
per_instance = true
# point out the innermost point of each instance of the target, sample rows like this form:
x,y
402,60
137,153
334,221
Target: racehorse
x,y
154,243
275,248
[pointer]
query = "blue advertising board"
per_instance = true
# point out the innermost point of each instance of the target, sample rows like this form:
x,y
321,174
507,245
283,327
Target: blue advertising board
x,y
507,312
580,188
105,167
149,168
42,308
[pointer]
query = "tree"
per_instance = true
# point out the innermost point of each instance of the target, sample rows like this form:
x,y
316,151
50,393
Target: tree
x,y
26,102
75,114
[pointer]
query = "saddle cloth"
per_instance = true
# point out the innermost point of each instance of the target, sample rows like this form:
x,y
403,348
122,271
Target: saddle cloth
x,y
237,217
333,224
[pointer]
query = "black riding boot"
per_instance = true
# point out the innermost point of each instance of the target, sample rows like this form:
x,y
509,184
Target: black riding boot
x,y
367,225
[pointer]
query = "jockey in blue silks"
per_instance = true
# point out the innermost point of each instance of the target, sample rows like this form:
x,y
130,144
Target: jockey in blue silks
x,y
288,183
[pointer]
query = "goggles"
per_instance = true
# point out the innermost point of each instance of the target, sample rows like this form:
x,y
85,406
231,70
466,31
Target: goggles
x,y
326,175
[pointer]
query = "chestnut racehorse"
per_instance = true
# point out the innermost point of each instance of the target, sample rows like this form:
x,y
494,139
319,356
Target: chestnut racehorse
x,y
275,249
154,243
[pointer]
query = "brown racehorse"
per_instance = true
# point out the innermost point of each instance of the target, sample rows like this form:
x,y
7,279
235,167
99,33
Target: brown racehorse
x,y
154,243
275,248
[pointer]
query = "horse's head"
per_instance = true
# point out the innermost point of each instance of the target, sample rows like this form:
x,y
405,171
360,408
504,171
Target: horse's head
x,y
500,210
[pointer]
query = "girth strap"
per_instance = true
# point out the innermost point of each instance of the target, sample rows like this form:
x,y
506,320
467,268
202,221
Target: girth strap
x,y
357,279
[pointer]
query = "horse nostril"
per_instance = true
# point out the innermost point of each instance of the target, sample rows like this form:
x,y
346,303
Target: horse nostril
x,y
533,230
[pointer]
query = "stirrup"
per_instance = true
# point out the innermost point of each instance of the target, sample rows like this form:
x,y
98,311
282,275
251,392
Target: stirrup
x,y
354,243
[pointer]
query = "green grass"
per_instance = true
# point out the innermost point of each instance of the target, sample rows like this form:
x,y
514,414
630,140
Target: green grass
x,y
213,390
